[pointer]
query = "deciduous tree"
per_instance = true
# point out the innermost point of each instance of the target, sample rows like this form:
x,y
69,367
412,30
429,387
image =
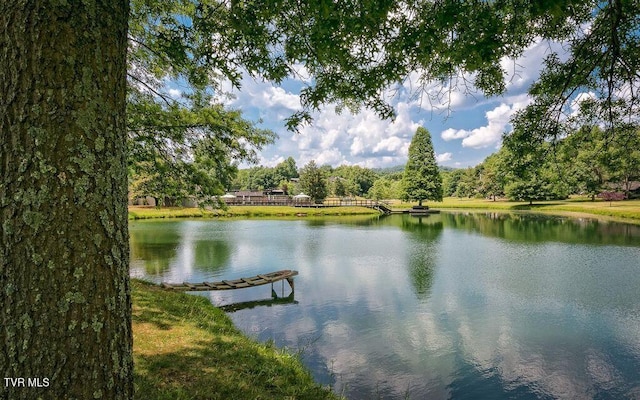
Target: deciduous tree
x,y
64,247
359,179
492,176
594,83
581,155
287,169
188,149
467,183
385,188
623,158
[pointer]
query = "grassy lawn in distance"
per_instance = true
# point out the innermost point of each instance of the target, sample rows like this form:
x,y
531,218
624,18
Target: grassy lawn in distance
x,y
185,348
627,211
146,212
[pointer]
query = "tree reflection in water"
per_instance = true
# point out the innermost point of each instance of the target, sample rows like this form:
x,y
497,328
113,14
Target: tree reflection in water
x,y
161,244
425,231
156,248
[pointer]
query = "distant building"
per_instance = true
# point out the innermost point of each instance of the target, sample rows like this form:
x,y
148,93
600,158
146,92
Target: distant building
x,y
265,197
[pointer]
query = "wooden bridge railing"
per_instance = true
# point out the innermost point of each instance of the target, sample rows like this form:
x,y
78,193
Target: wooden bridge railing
x,y
303,203
375,204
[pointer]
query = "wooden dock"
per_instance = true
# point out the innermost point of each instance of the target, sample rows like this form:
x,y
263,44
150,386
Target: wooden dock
x,y
242,283
422,210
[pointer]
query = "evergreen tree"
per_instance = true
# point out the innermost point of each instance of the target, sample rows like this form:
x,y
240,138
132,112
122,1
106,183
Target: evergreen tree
x,y
313,182
421,180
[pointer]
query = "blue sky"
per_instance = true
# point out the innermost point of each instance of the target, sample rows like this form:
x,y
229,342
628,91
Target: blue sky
x,y
465,128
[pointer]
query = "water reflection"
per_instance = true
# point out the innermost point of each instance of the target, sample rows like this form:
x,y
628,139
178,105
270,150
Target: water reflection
x,y
155,246
211,255
424,231
526,227
162,248
447,306
247,305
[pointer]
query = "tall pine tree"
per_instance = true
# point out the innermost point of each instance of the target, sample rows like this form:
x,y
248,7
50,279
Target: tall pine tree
x,y
313,181
422,180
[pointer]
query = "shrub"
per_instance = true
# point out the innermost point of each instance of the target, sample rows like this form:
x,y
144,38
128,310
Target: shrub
x,y
611,196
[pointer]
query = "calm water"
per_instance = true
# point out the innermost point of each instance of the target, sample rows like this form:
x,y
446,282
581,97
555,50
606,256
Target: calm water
x,y
461,306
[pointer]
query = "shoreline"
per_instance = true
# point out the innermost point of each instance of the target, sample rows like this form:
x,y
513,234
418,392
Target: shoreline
x,y
174,333
150,212
184,347
623,211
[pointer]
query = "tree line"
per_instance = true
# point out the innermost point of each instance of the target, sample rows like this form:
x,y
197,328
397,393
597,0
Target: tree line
x,y
589,162
586,162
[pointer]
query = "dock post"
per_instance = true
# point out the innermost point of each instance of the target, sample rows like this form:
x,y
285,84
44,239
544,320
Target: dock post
x,y
290,281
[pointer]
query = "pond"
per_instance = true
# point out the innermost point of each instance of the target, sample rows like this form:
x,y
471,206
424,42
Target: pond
x,y
455,305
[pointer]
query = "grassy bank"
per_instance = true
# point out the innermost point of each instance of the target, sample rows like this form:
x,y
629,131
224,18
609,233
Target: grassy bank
x,y
184,348
627,211
141,212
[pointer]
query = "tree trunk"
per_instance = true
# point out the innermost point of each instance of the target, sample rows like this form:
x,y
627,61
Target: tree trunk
x,y
627,186
65,320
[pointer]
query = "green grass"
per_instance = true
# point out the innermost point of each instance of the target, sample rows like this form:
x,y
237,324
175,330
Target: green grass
x,y
137,212
146,212
185,348
628,211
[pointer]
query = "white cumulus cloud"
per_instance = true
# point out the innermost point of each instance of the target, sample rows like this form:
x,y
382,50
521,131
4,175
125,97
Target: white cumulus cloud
x,y
498,122
175,93
440,158
453,134
277,96
360,139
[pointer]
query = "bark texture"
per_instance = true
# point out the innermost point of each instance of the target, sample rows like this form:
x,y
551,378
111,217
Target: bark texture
x,y
65,312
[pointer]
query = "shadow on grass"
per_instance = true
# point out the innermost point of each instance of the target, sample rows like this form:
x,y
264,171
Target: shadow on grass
x,y
184,348
149,309
217,370
527,207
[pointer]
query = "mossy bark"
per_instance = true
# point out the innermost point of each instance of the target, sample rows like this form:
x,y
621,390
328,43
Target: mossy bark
x,y
65,314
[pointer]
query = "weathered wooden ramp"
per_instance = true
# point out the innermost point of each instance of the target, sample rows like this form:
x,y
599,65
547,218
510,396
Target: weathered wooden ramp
x,y
258,280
